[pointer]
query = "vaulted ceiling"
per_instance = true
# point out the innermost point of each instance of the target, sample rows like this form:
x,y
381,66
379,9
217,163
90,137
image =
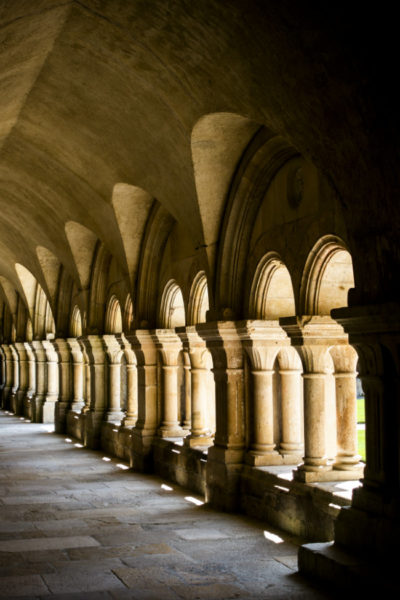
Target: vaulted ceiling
x,y
163,96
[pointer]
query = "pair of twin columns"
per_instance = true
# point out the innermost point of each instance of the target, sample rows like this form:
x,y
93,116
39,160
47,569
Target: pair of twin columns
x,y
38,374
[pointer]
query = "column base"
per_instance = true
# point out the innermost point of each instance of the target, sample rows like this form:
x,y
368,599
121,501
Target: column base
x,y
194,441
129,422
262,459
76,406
327,475
114,417
175,431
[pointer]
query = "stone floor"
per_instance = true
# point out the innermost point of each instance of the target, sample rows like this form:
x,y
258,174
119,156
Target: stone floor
x,y
77,524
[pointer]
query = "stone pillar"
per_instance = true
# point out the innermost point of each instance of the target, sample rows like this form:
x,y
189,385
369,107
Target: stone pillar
x,y
372,523
144,431
114,414
9,376
15,386
225,458
41,381
195,347
367,533
169,346
65,388
262,341
187,421
131,416
96,400
290,369
345,361
78,368
31,380
313,336
49,405
2,375
23,378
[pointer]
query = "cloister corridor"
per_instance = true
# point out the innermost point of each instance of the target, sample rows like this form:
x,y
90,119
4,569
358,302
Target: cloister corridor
x,y
77,524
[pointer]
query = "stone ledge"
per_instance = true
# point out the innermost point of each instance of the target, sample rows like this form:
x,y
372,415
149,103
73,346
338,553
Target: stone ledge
x,y
329,563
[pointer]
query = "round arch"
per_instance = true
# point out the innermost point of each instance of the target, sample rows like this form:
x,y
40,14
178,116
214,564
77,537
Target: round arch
x,y
327,277
113,316
271,294
198,300
172,306
76,322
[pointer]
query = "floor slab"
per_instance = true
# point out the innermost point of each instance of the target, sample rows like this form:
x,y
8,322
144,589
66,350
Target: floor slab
x,y
76,526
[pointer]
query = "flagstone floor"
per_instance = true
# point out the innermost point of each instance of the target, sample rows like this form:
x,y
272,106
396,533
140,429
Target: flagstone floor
x,y
75,523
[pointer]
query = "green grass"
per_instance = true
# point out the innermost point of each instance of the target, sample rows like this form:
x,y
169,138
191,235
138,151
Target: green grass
x,y
360,410
361,443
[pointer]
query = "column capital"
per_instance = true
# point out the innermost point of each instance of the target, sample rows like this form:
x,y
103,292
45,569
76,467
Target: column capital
x,y
94,348
168,343
223,340
112,345
313,330
75,349
62,348
20,347
39,350
50,349
142,343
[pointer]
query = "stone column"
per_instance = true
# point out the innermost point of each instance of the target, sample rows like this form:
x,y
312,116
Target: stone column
x,y
96,400
187,421
131,416
78,402
51,398
225,458
15,386
9,376
292,397
372,523
367,533
312,336
114,413
262,341
65,388
345,361
3,375
195,347
144,431
169,346
23,378
41,381
31,380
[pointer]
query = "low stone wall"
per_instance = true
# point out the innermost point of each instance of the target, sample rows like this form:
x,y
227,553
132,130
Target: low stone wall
x,y
180,464
267,493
